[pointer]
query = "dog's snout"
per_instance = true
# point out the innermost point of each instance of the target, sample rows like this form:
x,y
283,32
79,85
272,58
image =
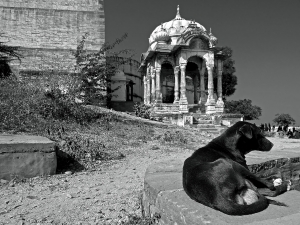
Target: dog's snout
x,y
264,144
270,144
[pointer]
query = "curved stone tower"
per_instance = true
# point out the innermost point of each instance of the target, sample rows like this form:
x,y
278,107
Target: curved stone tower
x,y
48,30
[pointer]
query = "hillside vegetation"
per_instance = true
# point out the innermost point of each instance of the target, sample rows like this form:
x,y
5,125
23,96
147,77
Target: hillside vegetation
x,y
85,135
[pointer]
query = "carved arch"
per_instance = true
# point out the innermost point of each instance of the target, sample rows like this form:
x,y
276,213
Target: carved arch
x,y
196,59
160,59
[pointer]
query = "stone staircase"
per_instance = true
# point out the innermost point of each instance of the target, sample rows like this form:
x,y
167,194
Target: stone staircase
x,y
204,123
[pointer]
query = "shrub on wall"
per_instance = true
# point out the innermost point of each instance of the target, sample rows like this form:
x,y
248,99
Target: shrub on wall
x,y
96,69
142,110
40,107
28,103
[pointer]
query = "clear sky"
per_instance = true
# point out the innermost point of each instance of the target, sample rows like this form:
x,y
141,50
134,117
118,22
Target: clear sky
x,y
263,34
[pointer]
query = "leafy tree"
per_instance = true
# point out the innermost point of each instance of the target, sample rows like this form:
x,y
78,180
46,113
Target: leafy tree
x,y
7,54
245,107
229,80
96,69
283,119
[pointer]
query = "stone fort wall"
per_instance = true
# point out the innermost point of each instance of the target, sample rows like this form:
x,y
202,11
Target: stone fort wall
x,y
47,31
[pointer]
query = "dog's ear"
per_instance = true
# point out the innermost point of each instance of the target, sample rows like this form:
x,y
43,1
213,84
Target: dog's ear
x,y
246,131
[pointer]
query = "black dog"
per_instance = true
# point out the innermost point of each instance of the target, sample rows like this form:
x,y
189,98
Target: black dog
x,y
217,176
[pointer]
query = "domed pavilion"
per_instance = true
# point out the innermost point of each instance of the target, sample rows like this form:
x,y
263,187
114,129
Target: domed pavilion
x,y
178,69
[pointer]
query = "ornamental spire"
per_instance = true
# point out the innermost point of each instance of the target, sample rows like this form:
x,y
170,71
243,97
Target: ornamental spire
x,y
178,17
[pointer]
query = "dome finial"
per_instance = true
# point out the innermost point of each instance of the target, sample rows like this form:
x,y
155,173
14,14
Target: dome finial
x,y
178,14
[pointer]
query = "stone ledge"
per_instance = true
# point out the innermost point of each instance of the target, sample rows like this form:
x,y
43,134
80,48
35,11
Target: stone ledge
x,y
25,143
163,194
26,156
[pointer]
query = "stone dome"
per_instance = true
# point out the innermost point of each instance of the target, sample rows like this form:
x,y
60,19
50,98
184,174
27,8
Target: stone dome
x,y
175,27
161,35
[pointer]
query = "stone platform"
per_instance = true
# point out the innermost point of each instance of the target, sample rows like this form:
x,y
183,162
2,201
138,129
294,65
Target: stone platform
x,y
26,156
163,192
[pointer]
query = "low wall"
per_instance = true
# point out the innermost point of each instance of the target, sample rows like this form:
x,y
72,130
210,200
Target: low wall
x,y
24,156
122,106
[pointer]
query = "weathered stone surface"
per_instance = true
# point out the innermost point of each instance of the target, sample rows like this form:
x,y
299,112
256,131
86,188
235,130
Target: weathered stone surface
x,y
25,143
26,156
46,31
163,193
177,208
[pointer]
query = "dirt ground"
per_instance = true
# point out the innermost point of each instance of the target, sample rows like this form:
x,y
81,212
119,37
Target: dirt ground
x,y
103,196
107,195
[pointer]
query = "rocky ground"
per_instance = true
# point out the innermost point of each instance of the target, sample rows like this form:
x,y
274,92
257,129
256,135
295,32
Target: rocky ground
x,y
109,194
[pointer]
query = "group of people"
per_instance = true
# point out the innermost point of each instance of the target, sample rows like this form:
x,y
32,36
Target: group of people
x,y
284,129
267,127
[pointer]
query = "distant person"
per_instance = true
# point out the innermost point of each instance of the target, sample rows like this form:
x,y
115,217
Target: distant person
x,y
273,128
269,126
296,135
289,134
266,127
279,128
293,129
285,128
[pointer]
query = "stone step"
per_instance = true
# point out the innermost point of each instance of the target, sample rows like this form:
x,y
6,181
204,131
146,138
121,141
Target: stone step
x,y
203,121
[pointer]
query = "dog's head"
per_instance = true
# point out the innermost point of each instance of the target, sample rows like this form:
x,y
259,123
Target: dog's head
x,y
247,137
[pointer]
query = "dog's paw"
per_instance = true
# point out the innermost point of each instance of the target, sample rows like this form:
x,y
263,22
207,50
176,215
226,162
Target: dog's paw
x,y
277,182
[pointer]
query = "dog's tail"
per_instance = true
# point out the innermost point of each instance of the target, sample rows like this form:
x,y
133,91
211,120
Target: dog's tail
x,y
233,208
273,202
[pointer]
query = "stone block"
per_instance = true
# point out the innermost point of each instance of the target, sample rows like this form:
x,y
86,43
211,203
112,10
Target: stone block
x,y
26,156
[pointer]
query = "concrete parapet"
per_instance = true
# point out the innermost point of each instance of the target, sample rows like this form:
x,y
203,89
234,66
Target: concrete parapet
x,y
26,156
164,194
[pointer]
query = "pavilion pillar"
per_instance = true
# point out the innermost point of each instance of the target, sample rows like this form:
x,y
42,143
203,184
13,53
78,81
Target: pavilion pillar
x,y
158,89
145,89
210,103
176,88
220,103
153,97
203,96
183,103
148,86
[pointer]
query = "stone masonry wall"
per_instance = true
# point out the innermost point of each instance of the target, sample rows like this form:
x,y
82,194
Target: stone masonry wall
x,y
48,30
